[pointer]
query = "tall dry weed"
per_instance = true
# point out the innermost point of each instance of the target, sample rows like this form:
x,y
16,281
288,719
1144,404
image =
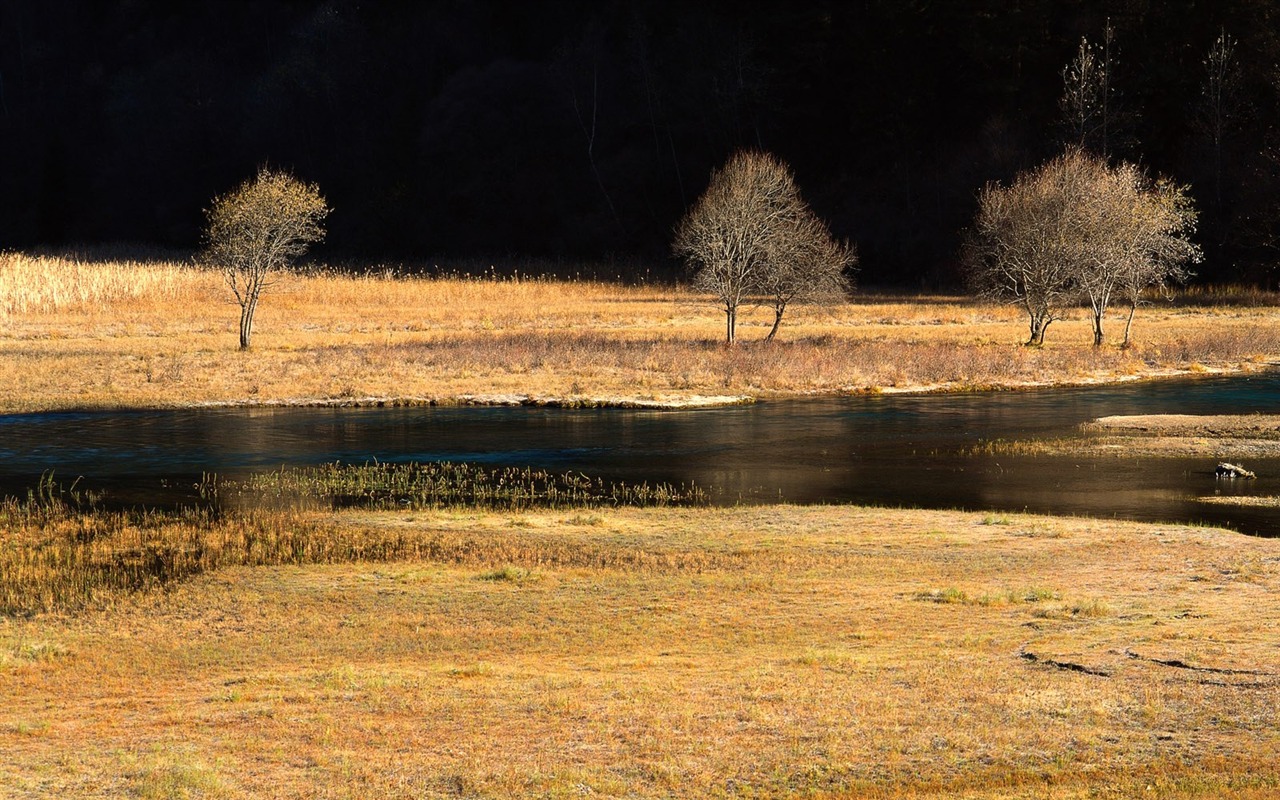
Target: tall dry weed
x,y
47,284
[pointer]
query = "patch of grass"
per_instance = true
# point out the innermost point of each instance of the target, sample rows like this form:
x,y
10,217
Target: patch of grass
x,y
1033,594
592,520
25,727
1094,608
480,669
441,484
169,775
947,595
510,574
55,556
39,651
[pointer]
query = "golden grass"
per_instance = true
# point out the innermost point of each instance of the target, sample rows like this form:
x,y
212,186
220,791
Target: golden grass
x,y
44,285
91,335
762,652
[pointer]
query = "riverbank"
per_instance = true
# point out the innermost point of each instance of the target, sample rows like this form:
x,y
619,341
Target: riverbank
x,y
1226,437
751,652
119,335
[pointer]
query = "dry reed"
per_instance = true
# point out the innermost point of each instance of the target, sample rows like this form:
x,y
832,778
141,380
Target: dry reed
x,y
46,284
442,485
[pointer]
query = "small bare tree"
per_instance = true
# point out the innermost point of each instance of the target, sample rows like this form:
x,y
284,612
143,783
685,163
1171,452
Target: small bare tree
x,y
1083,92
1093,114
806,265
258,229
752,236
1162,249
726,235
1135,237
1112,220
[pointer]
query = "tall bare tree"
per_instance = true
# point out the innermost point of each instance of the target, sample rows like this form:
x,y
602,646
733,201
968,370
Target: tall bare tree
x,y
751,235
1220,102
258,229
1082,95
1090,101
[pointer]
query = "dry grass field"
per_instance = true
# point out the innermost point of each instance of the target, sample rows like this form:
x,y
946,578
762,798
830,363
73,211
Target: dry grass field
x,y
761,652
79,334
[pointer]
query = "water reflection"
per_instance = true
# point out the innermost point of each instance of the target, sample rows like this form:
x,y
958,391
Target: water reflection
x,y
909,451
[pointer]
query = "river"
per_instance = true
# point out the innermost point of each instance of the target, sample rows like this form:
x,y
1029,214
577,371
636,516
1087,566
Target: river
x,y
894,450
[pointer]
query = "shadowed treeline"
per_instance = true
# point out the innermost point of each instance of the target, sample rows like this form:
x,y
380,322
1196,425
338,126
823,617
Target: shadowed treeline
x,y
585,129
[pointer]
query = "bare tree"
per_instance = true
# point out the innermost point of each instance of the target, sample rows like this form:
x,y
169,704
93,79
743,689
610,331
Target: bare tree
x,y
258,229
806,265
1135,237
1090,103
1078,228
751,236
574,63
1220,101
1019,249
1111,231
1083,90
1162,249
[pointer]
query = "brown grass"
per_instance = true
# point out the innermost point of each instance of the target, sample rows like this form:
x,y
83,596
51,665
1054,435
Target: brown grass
x,y
89,334
764,652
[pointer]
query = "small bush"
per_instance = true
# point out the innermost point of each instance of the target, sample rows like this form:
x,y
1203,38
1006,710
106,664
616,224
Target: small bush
x,y
510,574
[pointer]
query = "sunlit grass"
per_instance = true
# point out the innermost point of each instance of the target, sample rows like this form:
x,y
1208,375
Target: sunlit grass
x,y
109,334
44,285
755,652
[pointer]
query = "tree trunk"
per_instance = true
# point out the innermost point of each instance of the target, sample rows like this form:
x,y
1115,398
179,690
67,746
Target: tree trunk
x,y
246,321
1038,324
1127,326
730,323
777,320
1097,328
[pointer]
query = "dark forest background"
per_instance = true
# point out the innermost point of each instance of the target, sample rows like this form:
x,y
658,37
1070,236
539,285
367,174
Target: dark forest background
x,y
582,130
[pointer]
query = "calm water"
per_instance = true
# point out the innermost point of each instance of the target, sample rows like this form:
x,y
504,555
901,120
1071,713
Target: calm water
x,y
907,451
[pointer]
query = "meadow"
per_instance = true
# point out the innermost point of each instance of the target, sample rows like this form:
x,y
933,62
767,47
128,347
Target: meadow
x,y
115,334
376,635
750,652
